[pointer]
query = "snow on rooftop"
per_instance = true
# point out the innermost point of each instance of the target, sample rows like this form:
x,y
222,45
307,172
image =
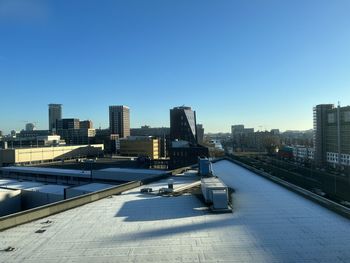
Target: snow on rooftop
x,y
5,181
22,185
269,224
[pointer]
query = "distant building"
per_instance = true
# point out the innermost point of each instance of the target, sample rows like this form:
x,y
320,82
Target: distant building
x,y
32,141
145,146
183,124
275,131
119,120
87,124
237,129
68,124
182,154
303,153
23,156
163,133
30,127
331,135
33,134
71,131
150,131
110,141
297,138
1,134
77,136
14,133
242,138
184,149
200,134
55,113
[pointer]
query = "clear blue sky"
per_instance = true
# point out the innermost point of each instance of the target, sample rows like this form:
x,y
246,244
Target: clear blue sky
x,y
259,63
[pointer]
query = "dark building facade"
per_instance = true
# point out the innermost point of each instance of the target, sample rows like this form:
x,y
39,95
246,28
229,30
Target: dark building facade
x,y
186,155
73,134
68,124
150,131
110,141
184,149
77,136
119,120
200,134
87,124
183,124
55,113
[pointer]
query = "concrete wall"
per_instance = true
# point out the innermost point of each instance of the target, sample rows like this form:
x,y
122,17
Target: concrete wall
x,y
47,210
10,201
123,176
84,189
32,199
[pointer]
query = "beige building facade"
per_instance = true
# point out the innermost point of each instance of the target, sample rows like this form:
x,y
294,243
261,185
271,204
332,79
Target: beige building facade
x,y
25,156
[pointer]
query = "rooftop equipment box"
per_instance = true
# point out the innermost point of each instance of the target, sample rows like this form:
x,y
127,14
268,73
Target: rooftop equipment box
x,y
220,199
208,185
204,167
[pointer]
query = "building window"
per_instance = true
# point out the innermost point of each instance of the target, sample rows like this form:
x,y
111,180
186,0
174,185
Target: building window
x,y
331,117
347,116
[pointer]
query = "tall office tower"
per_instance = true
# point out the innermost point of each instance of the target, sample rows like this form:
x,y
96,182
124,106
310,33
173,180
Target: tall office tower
x,y
55,113
200,133
183,124
332,136
320,119
119,120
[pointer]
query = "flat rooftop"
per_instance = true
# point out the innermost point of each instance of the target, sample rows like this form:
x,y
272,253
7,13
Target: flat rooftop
x,y
137,171
5,181
269,224
22,185
45,171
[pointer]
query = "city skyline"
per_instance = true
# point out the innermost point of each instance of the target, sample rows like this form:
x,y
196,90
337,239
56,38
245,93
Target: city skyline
x,y
44,126
261,64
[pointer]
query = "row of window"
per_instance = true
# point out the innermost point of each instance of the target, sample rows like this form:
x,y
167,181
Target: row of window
x,y
332,117
333,158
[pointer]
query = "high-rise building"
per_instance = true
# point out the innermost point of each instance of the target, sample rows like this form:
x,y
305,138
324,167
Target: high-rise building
x,y
55,113
119,120
183,124
184,149
200,133
332,135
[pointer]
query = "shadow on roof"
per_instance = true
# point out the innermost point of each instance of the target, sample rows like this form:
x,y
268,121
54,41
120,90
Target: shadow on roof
x,y
161,208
